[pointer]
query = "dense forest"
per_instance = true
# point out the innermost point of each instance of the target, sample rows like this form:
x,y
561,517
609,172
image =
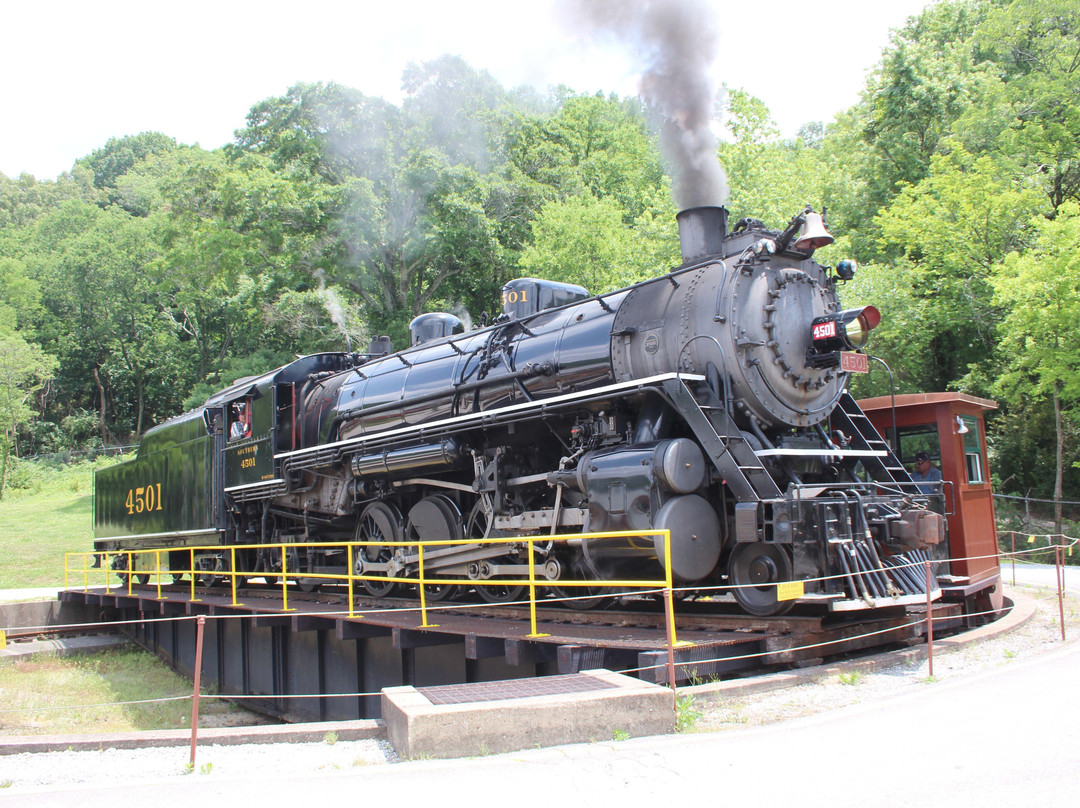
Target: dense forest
x,y
154,272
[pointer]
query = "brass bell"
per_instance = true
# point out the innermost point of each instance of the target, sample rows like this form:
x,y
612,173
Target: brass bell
x,y
812,234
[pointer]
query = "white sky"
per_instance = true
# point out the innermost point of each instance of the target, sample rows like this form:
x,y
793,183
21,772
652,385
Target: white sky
x,y
74,74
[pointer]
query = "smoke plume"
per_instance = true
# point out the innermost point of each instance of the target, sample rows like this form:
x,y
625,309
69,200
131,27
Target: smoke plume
x,y
333,306
677,42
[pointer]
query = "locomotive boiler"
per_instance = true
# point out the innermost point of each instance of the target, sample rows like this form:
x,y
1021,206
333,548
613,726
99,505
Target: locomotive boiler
x,y
710,402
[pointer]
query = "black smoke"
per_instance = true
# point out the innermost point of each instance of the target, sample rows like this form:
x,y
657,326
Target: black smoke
x,y
676,43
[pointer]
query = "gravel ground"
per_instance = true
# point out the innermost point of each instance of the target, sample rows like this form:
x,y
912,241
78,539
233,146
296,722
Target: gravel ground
x,y
1038,635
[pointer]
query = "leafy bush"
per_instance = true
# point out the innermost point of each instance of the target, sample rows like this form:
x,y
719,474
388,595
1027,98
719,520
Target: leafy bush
x,y
67,472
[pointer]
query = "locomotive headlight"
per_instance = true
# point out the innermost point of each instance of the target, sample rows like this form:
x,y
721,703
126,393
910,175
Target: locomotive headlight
x,y
764,247
847,331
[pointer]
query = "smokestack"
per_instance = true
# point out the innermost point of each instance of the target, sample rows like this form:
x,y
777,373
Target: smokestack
x,y
701,232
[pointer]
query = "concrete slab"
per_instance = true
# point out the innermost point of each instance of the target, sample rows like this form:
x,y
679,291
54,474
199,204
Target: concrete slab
x,y
25,613
66,646
493,717
273,733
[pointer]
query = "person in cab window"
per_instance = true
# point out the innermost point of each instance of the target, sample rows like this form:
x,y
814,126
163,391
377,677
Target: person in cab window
x,y
241,425
928,477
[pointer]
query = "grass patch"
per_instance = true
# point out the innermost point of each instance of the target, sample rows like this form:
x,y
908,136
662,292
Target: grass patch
x,y
31,686
47,512
687,713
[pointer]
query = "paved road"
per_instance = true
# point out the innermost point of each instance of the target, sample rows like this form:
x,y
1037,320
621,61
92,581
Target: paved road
x,y
1010,736
1040,575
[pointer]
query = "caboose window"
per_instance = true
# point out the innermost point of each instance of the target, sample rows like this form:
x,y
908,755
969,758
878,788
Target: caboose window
x,y
973,458
921,438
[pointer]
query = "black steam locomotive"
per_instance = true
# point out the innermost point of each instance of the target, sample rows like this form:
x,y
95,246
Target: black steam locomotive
x,y
710,401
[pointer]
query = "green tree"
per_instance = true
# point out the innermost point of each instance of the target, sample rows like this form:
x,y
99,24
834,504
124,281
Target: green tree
x,y
927,78
1040,333
952,228
119,155
24,368
401,241
24,200
20,295
96,273
584,240
1034,46
235,234
771,180
329,131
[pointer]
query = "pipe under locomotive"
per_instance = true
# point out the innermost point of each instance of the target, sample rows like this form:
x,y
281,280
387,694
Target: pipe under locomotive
x,y
710,402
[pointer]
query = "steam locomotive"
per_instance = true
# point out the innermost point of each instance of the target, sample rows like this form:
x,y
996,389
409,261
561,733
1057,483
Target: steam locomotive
x,y
710,401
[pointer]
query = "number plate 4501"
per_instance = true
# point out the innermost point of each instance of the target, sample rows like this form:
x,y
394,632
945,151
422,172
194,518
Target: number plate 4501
x,y
851,362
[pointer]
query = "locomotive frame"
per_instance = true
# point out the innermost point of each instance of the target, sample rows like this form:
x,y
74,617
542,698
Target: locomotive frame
x,y
710,401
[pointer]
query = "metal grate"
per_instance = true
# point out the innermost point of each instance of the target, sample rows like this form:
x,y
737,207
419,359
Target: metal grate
x,y
514,689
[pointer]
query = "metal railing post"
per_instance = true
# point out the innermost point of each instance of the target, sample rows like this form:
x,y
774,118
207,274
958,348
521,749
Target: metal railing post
x,y
232,574
351,572
192,558
1059,569
423,597
532,595
669,586
1013,556
200,624
929,620
157,564
284,581
670,621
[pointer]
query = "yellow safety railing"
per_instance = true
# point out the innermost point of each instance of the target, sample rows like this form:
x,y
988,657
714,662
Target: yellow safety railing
x,y
130,564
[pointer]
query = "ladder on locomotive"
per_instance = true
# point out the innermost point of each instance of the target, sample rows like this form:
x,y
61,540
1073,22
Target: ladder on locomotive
x,y
722,441
849,418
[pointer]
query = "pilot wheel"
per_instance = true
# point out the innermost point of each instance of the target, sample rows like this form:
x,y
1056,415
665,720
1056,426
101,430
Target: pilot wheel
x,y
754,570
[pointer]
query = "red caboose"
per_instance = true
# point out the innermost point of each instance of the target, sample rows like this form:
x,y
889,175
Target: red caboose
x,y
950,427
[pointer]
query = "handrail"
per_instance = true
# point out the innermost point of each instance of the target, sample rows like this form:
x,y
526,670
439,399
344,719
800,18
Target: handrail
x,y
129,564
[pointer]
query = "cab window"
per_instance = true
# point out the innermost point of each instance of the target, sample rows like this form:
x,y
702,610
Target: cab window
x,y
240,420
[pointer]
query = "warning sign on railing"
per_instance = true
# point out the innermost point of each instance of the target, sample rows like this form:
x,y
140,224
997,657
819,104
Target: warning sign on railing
x,y
791,590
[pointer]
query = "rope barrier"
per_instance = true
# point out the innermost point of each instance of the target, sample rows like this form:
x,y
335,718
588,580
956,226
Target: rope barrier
x,y
161,700
1035,499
